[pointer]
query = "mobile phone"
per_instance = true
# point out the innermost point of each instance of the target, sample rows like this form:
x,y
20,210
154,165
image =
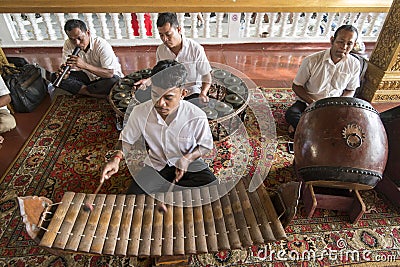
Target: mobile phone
x,y
290,147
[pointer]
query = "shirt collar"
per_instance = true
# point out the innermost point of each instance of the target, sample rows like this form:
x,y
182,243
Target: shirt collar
x,y
91,42
161,121
327,56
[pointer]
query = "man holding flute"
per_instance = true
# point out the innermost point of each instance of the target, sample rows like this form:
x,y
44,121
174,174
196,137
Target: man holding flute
x,y
94,69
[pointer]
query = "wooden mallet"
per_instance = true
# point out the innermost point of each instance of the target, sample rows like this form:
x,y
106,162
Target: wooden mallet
x,y
161,207
89,206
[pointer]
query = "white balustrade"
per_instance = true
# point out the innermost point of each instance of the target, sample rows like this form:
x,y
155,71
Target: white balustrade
x,y
115,23
20,28
90,24
194,24
37,33
154,28
61,21
128,23
50,30
47,29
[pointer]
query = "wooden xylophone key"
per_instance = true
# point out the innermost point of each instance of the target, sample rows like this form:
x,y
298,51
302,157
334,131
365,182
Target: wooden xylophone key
x,y
248,212
201,241
114,226
234,239
266,202
261,217
240,220
209,223
93,221
125,228
136,226
147,225
178,236
81,221
101,230
222,236
157,232
55,224
69,220
168,230
190,244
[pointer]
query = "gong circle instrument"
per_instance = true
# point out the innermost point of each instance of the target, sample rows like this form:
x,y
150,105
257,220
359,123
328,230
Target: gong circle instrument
x,y
228,94
341,142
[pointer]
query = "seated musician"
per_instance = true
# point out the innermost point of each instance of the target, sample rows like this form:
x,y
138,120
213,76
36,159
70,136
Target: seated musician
x,y
177,134
95,69
329,73
7,121
184,50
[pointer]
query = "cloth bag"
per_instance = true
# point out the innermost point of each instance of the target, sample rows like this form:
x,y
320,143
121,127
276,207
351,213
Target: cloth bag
x,y
26,85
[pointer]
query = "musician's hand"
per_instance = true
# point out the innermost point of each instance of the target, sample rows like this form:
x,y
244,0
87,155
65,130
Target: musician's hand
x,y
109,169
181,167
60,71
143,84
203,98
76,62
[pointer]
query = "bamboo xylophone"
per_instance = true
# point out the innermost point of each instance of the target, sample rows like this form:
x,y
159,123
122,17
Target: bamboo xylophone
x,y
199,221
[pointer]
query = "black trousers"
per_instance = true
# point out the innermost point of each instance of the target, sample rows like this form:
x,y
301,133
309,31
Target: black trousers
x,y
293,113
148,180
77,79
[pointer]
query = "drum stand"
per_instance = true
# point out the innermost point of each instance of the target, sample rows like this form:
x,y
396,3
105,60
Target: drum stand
x,y
346,200
331,196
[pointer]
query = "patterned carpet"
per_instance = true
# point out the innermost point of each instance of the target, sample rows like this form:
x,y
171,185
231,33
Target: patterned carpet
x,y
66,151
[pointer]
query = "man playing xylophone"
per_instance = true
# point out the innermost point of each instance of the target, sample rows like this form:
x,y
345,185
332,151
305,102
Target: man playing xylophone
x,y
176,132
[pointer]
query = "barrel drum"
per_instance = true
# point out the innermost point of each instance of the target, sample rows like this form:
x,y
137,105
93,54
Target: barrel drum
x,y
341,142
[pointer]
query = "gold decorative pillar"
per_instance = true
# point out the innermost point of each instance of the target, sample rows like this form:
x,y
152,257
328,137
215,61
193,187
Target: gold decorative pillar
x,y
383,73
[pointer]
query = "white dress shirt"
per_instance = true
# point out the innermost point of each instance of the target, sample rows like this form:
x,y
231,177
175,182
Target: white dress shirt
x,y
3,91
168,143
194,58
322,78
99,54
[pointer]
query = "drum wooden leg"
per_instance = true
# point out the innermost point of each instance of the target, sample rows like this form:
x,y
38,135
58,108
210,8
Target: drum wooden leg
x,y
309,199
356,210
333,199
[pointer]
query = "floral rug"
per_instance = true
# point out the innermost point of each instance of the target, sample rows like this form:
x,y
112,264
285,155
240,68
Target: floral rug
x,y
67,149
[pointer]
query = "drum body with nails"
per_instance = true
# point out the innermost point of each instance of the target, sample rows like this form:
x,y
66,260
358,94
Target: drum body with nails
x,y
341,142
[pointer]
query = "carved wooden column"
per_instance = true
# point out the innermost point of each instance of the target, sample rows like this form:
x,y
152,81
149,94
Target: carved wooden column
x,y
383,73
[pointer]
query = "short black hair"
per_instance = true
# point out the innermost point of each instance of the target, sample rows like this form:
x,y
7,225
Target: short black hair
x,y
167,17
345,27
75,23
168,74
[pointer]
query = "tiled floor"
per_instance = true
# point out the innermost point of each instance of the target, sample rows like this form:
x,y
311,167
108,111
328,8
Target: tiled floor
x,y
268,65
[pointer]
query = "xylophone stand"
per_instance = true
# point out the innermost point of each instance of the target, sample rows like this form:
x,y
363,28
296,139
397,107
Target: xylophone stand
x,y
340,199
172,261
